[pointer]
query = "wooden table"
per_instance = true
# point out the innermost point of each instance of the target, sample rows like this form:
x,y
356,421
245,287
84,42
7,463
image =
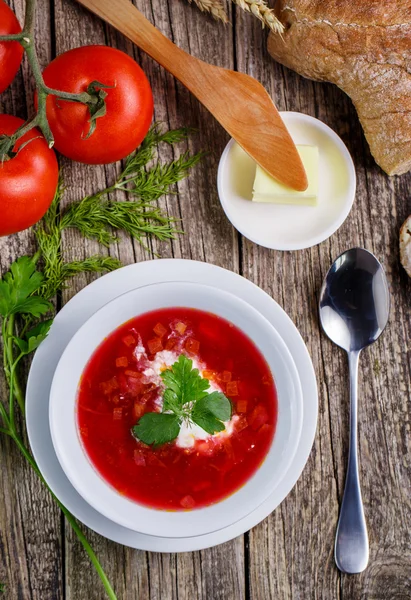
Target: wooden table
x,y
290,554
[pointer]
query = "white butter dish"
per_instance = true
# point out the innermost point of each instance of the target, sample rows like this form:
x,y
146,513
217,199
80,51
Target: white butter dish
x,y
289,226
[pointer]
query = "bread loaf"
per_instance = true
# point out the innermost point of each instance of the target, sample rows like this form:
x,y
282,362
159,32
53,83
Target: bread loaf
x,y
364,47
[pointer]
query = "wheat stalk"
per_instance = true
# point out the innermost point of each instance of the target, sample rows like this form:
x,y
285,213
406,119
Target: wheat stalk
x,y
214,7
265,14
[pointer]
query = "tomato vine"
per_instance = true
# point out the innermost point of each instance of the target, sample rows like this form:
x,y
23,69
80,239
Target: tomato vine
x,y
93,98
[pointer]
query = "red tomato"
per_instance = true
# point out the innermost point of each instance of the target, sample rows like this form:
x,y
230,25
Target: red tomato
x,y
129,104
28,181
11,53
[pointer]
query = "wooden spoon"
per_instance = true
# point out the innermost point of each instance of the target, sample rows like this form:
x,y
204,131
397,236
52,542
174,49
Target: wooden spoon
x,y
239,102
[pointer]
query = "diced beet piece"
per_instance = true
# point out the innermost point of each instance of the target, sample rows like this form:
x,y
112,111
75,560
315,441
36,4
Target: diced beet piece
x,y
265,429
171,343
122,361
154,345
258,417
192,346
139,408
134,386
134,374
129,340
208,374
225,376
160,330
232,388
180,327
241,406
187,502
241,424
109,386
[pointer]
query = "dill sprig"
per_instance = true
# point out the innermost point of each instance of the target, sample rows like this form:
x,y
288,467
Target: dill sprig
x,y
153,183
57,272
95,218
98,217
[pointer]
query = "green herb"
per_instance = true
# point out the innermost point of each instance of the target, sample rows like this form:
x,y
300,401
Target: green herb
x,y
56,271
26,290
96,217
2,588
33,338
157,428
185,398
210,411
17,287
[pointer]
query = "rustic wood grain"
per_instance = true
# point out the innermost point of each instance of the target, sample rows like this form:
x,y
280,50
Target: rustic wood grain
x,y
306,520
290,554
30,525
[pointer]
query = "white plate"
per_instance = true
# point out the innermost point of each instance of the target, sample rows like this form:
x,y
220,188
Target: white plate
x,y
63,414
77,311
287,227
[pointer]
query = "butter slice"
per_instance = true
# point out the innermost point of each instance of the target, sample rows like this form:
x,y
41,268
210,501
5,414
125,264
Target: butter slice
x,y
267,189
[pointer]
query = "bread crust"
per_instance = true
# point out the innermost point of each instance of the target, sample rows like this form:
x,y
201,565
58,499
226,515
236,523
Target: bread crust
x,y
364,47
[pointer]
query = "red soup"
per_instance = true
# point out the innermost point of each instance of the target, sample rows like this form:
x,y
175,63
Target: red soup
x,y
124,380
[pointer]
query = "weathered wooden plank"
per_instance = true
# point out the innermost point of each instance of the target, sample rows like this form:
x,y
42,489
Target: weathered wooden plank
x,y
30,536
75,27
162,576
305,527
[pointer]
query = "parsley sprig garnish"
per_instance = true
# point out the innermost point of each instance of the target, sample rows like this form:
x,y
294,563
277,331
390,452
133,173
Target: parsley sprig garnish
x,y
185,398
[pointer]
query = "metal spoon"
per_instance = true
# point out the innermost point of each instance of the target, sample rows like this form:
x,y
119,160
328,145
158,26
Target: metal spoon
x,y
354,309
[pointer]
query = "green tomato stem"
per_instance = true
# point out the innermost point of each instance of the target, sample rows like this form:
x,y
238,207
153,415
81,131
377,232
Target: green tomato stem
x,y
26,39
12,37
14,381
30,17
110,592
5,417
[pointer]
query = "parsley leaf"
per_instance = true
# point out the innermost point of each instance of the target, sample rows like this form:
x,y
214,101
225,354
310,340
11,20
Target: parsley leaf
x,y
184,384
157,428
34,337
17,287
210,412
185,399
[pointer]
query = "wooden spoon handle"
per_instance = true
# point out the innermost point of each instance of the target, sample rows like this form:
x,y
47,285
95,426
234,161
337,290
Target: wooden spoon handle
x,y
125,17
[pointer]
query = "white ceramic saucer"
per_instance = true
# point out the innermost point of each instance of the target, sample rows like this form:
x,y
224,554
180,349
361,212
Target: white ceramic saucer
x,y
77,311
284,227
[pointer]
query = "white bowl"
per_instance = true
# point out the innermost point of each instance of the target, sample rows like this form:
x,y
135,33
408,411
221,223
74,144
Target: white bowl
x,y
77,466
284,227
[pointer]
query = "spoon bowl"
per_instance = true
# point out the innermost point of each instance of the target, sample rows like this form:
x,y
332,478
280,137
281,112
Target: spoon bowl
x,y
354,302
354,310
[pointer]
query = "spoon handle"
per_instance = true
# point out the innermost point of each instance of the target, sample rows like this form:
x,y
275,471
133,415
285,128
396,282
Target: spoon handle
x,y
351,544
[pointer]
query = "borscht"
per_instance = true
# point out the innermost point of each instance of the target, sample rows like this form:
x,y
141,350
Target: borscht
x,y
176,409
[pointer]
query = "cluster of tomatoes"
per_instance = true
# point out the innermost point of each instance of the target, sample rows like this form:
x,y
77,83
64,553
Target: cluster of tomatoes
x,y
28,179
